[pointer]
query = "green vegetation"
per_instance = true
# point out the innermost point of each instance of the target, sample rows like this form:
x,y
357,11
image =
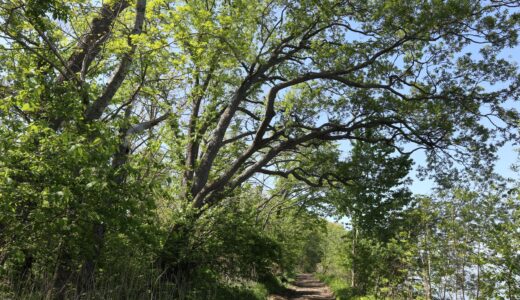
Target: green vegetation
x,y
159,149
459,242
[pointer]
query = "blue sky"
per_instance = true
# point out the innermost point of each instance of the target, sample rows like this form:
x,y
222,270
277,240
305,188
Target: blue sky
x,y
506,156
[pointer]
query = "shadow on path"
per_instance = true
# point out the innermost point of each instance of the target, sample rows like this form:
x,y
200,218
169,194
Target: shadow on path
x,y
306,287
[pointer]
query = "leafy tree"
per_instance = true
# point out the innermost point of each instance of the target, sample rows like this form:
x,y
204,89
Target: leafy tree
x,y
131,117
457,244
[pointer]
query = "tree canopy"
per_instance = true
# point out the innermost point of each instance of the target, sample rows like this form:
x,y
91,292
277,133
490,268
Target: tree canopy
x,y
126,124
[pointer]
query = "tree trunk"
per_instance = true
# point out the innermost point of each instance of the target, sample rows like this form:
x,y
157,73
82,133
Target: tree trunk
x,y
174,262
353,252
86,279
427,278
62,275
426,266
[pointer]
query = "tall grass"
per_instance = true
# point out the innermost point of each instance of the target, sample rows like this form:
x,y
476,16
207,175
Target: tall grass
x,y
341,288
146,283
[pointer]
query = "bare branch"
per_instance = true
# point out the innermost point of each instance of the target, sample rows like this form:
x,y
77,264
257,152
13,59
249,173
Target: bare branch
x,y
147,125
97,108
90,43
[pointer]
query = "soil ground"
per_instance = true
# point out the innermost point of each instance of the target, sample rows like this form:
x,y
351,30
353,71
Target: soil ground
x,y
306,287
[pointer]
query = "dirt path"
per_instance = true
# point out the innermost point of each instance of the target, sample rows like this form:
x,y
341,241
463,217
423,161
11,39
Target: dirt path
x,y
306,287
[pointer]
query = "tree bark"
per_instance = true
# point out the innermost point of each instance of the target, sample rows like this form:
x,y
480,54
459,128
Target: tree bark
x,y
427,267
94,112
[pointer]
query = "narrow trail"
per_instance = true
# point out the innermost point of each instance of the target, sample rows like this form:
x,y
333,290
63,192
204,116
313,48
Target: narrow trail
x,y
306,287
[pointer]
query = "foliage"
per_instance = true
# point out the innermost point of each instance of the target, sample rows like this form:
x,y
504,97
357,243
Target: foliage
x,y
176,140
453,243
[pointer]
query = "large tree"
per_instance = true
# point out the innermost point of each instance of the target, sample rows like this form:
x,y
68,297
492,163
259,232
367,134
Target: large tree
x,y
225,91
